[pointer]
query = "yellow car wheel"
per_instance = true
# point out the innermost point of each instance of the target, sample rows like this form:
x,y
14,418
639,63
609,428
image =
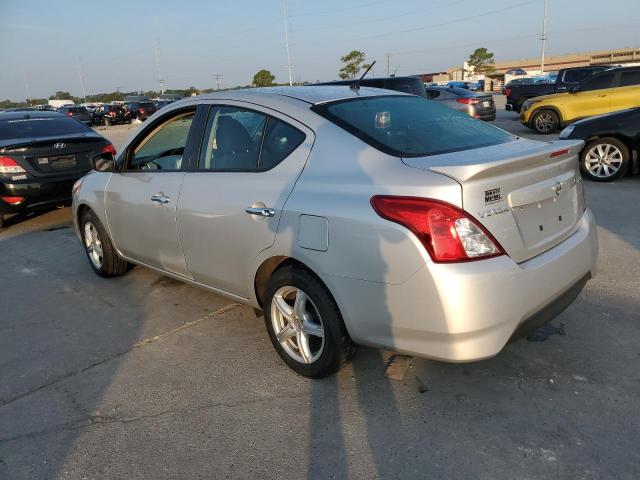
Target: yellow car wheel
x,y
545,121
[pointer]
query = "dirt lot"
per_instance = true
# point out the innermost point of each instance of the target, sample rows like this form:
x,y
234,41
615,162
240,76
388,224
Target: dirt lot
x,y
145,377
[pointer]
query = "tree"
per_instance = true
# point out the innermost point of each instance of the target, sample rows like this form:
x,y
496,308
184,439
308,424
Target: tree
x,y
190,91
59,95
352,64
481,60
263,78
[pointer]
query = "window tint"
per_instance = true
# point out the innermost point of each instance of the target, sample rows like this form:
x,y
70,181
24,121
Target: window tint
x,y
410,126
232,139
433,94
280,139
577,76
164,147
630,78
597,83
40,127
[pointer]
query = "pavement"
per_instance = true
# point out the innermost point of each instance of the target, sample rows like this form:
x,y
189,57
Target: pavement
x,y
145,377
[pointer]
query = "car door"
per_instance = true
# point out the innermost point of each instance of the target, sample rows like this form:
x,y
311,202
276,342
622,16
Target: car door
x,y
592,98
626,94
141,199
230,203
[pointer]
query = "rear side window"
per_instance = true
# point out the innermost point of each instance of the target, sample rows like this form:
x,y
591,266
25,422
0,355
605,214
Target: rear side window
x,y
598,83
630,78
40,127
280,139
411,126
577,76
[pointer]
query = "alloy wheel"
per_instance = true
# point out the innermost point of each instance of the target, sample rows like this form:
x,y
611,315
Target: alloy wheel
x,y
545,123
93,244
297,324
603,160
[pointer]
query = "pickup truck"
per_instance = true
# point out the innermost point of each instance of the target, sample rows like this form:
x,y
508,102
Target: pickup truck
x,y
567,79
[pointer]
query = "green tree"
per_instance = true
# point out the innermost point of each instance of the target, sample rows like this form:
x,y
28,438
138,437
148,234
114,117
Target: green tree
x,y
60,95
352,64
189,91
264,78
482,61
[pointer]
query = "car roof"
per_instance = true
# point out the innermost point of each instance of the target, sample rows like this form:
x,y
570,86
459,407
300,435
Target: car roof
x,y
311,94
30,114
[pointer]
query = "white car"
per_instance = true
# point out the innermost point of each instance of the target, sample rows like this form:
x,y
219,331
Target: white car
x,y
350,216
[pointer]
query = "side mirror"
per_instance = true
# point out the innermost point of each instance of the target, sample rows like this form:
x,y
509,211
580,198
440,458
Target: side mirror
x,y
104,162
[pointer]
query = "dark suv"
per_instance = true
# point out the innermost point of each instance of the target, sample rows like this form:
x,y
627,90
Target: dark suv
x,y
79,113
141,110
111,115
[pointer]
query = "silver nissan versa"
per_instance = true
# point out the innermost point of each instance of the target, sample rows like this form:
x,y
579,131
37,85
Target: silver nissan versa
x,y
349,216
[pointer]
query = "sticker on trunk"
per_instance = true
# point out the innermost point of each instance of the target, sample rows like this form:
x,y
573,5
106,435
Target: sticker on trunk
x,y
492,196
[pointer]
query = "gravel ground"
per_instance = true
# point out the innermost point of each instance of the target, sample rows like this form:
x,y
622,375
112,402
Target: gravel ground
x,y
146,377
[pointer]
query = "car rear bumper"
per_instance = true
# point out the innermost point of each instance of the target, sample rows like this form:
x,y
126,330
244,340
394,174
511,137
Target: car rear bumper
x,y
468,311
38,193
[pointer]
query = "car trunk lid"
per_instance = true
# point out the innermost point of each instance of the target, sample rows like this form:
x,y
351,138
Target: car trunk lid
x,y
528,194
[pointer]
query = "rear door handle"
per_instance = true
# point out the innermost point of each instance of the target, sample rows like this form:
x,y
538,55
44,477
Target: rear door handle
x,y
160,198
260,211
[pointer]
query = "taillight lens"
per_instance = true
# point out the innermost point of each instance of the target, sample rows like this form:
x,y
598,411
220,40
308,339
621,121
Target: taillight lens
x,y
507,91
448,233
467,101
112,113
109,148
141,110
9,165
13,200
69,114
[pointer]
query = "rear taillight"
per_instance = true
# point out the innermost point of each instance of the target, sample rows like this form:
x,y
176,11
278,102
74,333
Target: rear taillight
x,y
448,233
13,200
558,153
9,165
467,100
141,110
112,113
109,148
507,91
69,114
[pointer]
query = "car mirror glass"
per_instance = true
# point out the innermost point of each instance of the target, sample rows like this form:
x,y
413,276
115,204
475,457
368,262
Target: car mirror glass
x,y
103,162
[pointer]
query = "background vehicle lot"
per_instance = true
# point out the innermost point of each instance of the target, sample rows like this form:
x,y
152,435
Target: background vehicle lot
x,y
123,377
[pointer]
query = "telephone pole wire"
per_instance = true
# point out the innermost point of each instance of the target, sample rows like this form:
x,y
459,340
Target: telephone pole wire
x,y
543,38
217,77
286,40
156,50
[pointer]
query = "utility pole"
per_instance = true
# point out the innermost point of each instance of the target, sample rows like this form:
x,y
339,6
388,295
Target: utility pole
x,y
26,88
157,55
286,40
388,57
84,93
218,76
543,38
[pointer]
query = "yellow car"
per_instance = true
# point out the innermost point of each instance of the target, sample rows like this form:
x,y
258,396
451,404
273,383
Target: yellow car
x,y
608,91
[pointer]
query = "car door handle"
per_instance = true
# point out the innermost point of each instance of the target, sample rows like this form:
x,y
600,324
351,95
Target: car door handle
x,y
260,211
160,198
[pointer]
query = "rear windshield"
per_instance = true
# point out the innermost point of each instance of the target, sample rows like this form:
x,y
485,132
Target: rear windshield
x,y
408,126
40,127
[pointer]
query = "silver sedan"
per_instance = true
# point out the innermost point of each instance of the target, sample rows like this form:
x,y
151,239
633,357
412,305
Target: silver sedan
x,y
349,216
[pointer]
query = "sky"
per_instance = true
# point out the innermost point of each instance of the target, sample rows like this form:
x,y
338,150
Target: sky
x,y
48,45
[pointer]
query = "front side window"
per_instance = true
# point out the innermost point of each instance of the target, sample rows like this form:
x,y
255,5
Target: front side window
x,y
630,78
409,126
163,148
232,139
597,83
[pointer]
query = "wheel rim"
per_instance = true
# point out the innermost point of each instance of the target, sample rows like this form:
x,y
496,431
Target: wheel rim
x,y
93,244
297,324
545,122
603,160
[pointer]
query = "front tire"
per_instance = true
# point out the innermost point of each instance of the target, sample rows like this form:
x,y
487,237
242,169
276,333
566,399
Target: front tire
x,y
545,122
100,251
604,159
305,325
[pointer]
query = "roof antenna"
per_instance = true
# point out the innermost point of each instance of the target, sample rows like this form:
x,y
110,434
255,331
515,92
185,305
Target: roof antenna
x,y
356,85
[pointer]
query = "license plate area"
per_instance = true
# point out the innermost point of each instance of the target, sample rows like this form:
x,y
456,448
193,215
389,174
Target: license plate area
x,y
63,162
486,104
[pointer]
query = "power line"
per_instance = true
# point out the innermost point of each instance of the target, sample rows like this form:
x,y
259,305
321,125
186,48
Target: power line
x,y
218,76
543,38
335,10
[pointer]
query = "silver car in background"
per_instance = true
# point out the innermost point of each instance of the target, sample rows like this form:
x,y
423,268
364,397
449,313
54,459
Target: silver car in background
x,y
349,216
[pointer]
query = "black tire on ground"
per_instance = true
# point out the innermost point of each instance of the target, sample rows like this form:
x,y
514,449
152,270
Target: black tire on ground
x,y
518,105
112,264
338,347
1,220
545,122
612,150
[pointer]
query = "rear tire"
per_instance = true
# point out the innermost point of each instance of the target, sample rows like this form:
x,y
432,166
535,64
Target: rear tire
x,y
102,255
545,122
604,159
305,325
